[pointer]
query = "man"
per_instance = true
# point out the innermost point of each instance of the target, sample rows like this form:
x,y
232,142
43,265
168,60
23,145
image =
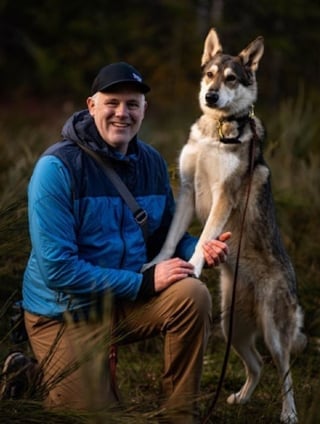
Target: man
x,y
86,245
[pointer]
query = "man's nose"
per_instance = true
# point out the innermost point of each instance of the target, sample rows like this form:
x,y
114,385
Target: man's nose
x,y
122,109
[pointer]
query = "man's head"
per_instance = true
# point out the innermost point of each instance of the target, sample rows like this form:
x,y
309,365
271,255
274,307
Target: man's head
x,y
117,103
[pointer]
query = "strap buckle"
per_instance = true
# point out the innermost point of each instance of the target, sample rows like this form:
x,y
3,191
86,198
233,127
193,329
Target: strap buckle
x,y
141,216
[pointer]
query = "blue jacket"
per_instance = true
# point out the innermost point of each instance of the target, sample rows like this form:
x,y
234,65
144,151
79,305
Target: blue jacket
x,y
85,241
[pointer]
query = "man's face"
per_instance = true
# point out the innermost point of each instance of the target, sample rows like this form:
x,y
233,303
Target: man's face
x,y
118,115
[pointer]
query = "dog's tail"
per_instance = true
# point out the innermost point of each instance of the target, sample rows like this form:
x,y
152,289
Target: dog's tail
x,y
299,339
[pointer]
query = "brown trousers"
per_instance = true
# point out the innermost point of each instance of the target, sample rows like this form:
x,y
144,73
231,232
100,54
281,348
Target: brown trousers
x,y
74,355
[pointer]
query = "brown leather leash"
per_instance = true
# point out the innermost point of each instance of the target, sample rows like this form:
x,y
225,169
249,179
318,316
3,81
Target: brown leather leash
x,y
253,141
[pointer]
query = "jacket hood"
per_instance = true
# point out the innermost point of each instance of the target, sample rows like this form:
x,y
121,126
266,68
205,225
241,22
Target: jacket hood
x,y
80,128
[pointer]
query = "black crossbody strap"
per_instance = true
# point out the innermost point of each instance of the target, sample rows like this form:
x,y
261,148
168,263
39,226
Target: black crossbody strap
x,y
140,215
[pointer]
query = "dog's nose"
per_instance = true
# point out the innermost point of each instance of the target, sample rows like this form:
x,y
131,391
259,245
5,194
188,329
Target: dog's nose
x,y
212,97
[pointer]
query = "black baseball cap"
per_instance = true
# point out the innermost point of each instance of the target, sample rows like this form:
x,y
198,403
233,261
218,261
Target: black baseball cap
x,y
116,73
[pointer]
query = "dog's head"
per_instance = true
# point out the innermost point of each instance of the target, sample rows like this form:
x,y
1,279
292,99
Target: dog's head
x,y
228,84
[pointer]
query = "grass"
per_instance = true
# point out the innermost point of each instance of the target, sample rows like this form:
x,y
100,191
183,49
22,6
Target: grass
x,y
293,155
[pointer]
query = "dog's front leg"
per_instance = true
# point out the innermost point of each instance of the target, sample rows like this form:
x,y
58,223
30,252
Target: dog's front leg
x,y
214,226
179,225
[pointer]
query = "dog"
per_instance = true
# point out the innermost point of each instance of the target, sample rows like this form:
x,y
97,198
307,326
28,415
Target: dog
x,y
221,160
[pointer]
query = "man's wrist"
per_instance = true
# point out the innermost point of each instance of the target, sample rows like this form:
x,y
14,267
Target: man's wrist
x,y
147,288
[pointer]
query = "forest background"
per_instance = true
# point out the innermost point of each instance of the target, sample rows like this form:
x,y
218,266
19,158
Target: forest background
x,y
49,53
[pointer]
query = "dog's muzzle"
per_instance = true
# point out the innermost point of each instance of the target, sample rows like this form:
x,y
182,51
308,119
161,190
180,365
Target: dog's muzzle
x,y
211,98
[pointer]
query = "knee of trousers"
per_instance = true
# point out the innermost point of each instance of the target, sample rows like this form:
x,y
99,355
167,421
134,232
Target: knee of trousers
x,y
197,292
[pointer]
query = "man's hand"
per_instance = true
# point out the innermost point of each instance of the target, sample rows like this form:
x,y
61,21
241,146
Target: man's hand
x,y
170,271
216,251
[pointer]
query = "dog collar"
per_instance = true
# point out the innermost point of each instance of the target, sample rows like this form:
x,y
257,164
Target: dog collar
x,y
241,121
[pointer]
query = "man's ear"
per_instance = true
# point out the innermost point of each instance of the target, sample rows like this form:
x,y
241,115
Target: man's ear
x,y
91,105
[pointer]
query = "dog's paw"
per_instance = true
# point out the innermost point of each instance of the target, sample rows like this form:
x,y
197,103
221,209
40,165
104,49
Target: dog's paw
x,y
198,262
195,274
197,269
235,398
232,399
289,417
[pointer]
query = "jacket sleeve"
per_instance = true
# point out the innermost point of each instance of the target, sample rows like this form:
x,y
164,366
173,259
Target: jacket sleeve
x,y
54,238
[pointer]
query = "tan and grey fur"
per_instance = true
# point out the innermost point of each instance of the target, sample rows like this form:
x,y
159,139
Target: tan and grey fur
x,y
214,176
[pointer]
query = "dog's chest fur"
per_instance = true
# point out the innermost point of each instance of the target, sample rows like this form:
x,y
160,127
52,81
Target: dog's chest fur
x,y
212,166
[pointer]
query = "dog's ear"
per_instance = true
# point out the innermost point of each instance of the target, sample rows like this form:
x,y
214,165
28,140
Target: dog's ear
x,y
212,46
252,54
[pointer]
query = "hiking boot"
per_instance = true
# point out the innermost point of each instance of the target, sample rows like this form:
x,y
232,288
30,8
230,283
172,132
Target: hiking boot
x,y
20,377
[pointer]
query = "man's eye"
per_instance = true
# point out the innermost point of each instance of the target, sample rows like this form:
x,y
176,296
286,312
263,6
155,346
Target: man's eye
x,y
133,105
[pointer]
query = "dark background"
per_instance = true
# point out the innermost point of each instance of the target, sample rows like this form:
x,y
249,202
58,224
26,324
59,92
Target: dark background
x,y
51,50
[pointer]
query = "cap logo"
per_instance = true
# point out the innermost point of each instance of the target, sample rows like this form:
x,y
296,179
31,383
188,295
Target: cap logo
x,y
136,77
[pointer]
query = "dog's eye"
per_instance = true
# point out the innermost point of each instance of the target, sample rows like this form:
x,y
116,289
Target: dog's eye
x,y
210,74
230,78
